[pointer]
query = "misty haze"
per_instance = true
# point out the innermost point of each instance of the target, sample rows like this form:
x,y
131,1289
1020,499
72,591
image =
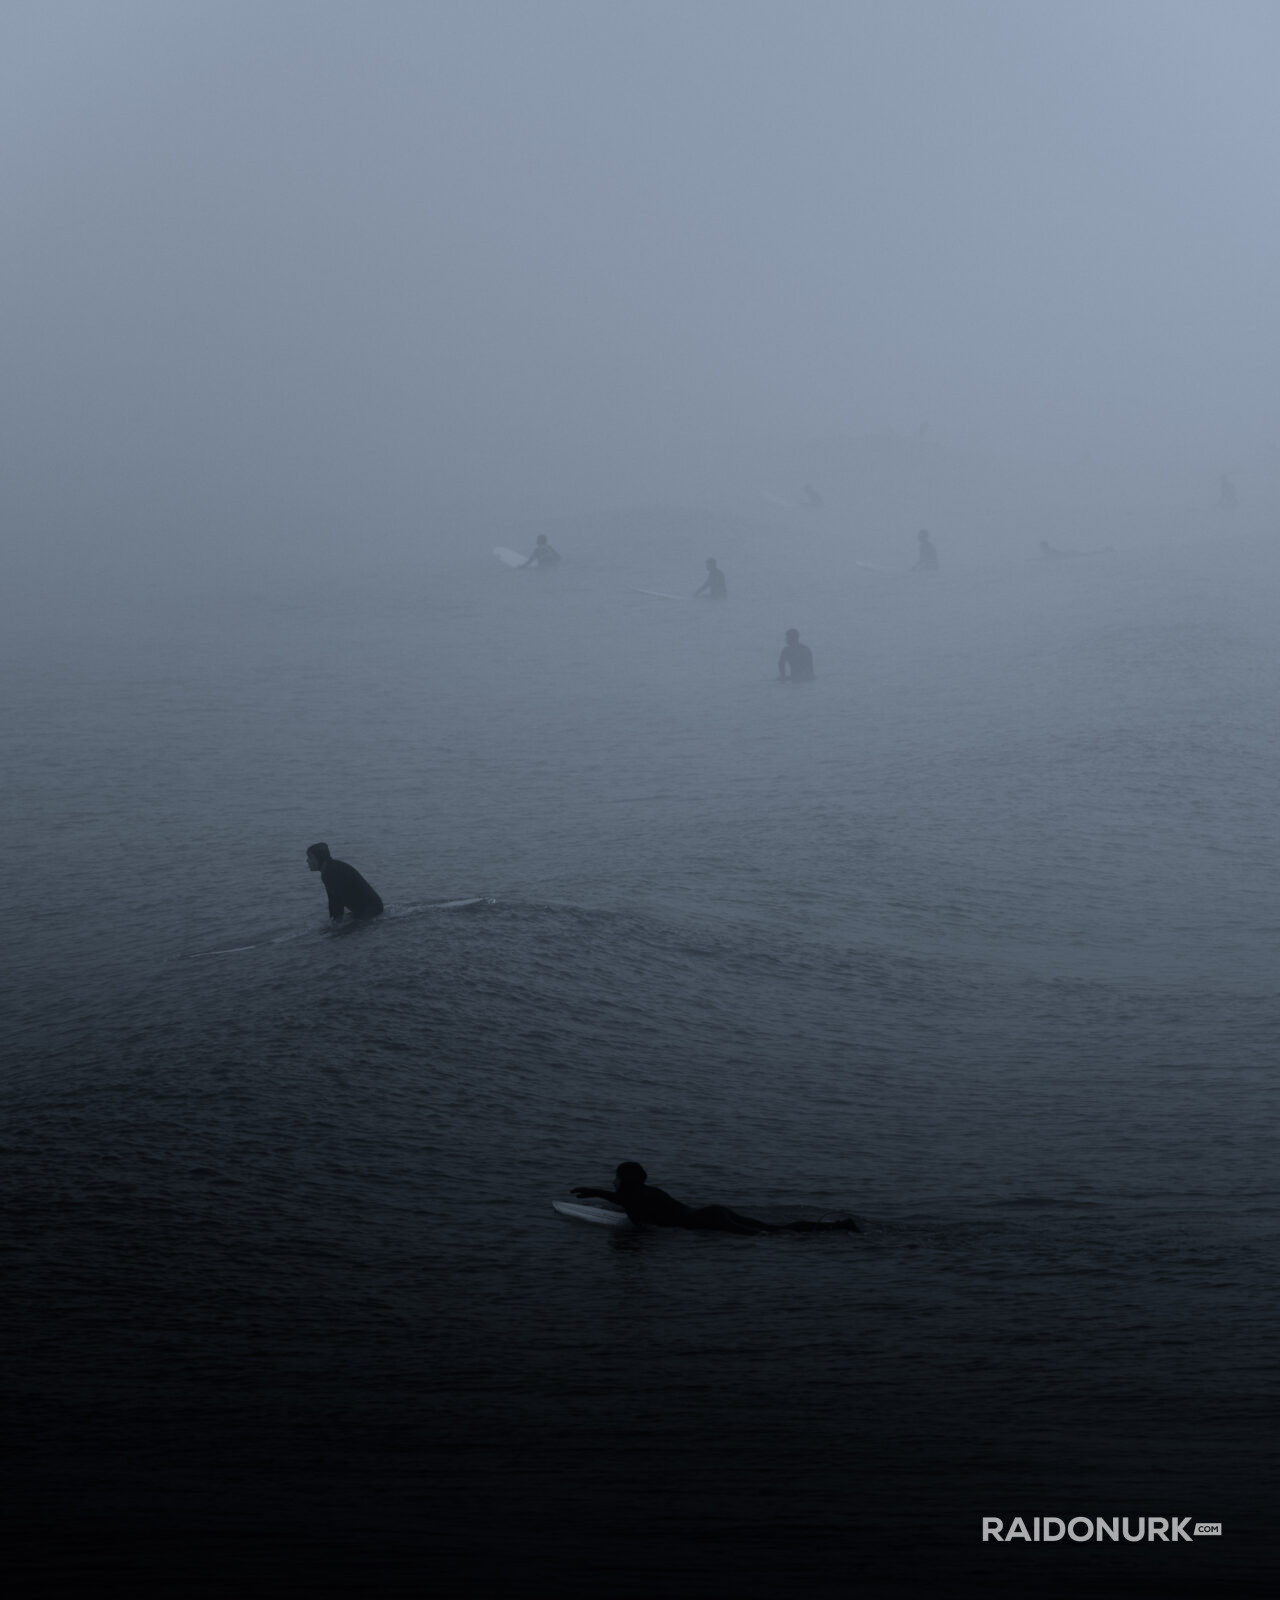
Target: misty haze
x,y
752,530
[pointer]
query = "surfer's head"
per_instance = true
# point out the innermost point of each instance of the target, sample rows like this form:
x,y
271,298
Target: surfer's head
x,y
630,1175
793,635
711,561
542,538
317,855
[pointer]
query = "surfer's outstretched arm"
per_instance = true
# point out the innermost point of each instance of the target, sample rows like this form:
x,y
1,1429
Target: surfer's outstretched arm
x,y
584,1193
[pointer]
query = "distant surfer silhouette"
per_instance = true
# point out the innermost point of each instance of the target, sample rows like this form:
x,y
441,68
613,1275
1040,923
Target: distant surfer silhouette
x,y
1226,493
796,660
714,586
927,558
644,1203
543,555
346,889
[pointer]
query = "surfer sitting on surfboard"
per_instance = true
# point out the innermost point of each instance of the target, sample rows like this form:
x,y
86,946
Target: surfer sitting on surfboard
x,y
543,555
714,588
796,658
644,1203
346,889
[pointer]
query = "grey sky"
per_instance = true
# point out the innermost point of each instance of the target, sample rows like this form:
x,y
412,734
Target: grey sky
x,y
306,258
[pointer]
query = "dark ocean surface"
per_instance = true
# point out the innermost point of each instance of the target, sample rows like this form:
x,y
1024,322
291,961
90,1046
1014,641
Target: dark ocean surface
x,y
974,937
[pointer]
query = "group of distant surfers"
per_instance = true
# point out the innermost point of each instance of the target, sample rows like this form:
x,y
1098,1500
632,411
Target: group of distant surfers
x,y
714,587
644,1204
796,660
349,891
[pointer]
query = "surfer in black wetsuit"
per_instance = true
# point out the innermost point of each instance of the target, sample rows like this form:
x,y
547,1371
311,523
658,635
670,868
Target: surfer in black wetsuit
x,y
543,555
346,889
796,659
927,560
714,588
645,1204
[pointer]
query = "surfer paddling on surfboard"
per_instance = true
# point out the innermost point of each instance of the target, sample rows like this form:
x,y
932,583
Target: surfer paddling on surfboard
x,y
346,889
644,1203
543,555
714,587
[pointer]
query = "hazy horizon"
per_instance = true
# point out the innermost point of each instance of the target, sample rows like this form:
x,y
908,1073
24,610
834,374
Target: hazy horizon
x,y
315,272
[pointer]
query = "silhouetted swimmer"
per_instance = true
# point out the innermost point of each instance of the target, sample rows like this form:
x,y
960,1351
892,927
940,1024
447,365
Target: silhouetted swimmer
x,y
644,1203
543,555
796,660
927,559
346,889
714,586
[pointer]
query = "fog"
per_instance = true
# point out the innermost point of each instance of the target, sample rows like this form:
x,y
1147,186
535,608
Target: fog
x,y
315,281
314,310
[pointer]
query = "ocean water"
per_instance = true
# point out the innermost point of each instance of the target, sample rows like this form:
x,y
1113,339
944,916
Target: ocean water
x,y
973,937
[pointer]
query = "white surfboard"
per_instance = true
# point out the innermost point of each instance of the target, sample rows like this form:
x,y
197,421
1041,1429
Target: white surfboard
x,y
577,1213
392,914
659,594
509,558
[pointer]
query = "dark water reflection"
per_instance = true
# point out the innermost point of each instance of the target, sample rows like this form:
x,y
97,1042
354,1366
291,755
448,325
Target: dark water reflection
x,y
973,940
